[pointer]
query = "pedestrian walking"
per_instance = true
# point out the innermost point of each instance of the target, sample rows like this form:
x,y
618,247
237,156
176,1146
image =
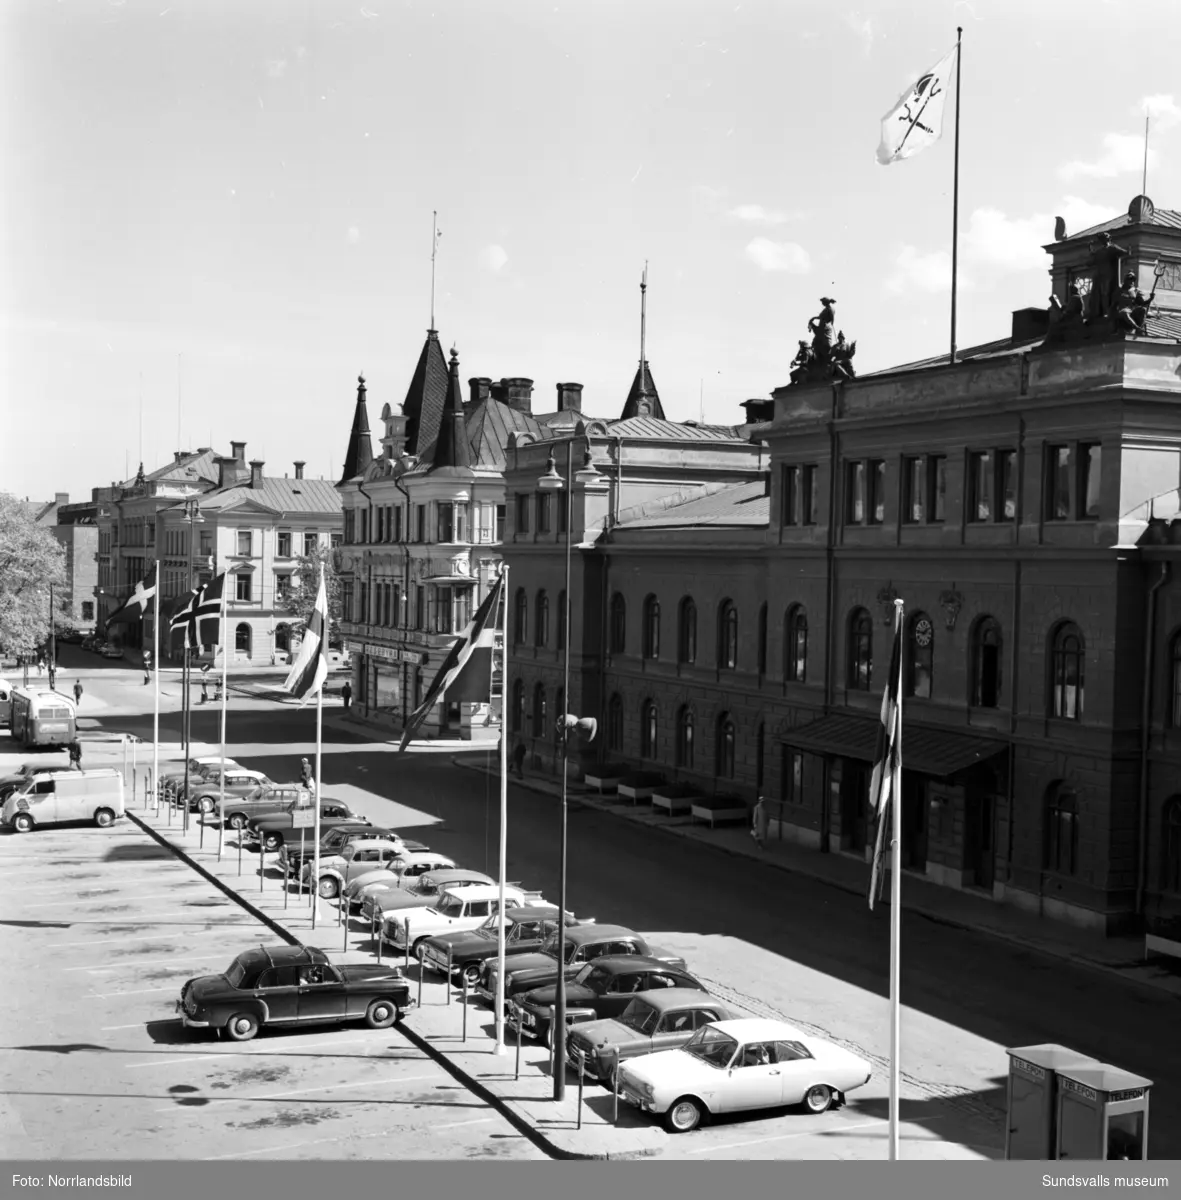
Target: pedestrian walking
x,y
519,760
40,665
77,692
52,678
305,775
76,755
346,693
759,822
147,667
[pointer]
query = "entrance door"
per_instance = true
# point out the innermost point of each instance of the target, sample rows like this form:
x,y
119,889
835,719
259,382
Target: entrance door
x,y
854,805
979,857
914,822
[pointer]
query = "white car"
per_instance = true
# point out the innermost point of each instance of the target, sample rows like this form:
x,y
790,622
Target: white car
x,y
398,876
459,909
740,1066
426,890
357,858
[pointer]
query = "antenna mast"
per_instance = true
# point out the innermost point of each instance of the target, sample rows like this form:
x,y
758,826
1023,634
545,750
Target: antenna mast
x,y
643,313
435,235
1144,182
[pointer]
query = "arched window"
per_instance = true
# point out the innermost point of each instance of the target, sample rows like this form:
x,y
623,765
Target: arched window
x,y
795,644
521,618
860,661
1067,653
724,756
651,627
1171,876
1175,680
539,713
541,619
562,620
687,632
986,663
283,638
685,737
920,652
648,730
618,624
615,723
1061,839
243,639
762,652
727,635
518,706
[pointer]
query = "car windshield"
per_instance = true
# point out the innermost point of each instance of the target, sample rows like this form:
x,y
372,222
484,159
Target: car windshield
x,y
452,906
713,1046
236,973
551,947
640,1016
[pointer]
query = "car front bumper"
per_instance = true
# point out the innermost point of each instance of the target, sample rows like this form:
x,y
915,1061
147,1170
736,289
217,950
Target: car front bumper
x,y
631,1097
190,1022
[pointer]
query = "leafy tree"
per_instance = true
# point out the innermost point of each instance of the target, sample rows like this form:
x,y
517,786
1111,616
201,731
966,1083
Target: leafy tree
x,y
31,559
305,582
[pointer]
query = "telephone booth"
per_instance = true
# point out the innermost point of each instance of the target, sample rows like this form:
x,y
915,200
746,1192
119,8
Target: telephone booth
x,y
1102,1113
1031,1130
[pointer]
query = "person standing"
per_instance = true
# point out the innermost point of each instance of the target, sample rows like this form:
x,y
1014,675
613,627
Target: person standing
x,y
76,755
305,775
346,693
759,822
52,678
77,692
147,667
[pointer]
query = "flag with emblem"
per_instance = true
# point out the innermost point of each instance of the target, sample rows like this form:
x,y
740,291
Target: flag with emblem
x,y
885,785
134,607
200,614
916,121
466,672
310,668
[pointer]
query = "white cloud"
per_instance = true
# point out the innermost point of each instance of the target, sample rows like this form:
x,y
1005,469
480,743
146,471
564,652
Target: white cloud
x,y
922,272
862,29
493,258
1162,109
779,256
353,235
276,68
1122,153
1015,243
757,213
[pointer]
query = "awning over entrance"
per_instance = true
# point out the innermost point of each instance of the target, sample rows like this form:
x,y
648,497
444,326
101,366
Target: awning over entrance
x,y
938,752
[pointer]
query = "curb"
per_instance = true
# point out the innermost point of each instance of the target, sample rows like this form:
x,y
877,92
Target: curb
x,y
937,918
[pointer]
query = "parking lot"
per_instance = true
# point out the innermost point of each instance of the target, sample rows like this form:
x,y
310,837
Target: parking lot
x,y
101,928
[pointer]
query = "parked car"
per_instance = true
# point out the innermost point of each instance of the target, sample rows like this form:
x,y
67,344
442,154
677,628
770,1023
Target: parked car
x,y
109,651
290,985
603,988
271,832
332,841
242,786
359,857
72,636
525,929
90,641
461,906
741,1066
365,892
423,892
584,944
657,1020
172,775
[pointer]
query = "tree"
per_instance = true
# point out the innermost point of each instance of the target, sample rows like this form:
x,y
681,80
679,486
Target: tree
x,y
31,559
305,582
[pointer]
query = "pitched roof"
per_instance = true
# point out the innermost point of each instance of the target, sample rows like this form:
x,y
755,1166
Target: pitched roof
x,y
452,448
643,400
736,505
489,425
1169,218
199,464
659,427
283,495
423,406
360,451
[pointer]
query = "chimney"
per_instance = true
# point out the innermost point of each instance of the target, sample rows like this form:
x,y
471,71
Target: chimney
x,y
225,471
256,466
239,451
299,469
1030,323
479,388
518,394
61,499
177,455
758,411
569,396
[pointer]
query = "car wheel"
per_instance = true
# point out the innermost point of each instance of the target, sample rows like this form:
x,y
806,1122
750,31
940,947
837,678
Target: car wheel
x,y
271,842
206,805
607,1078
471,973
237,821
328,887
543,1037
818,1099
241,1027
381,1014
419,949
684,1115
22,823
104,817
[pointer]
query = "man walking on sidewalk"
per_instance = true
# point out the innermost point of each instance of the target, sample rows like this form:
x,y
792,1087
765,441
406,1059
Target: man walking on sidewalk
x,y
76,755
77,692
759,822
346,694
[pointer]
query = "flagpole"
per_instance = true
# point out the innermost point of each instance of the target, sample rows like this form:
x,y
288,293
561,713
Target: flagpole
x,y
955,193
156,690
503,863
221,802
896,904
322,649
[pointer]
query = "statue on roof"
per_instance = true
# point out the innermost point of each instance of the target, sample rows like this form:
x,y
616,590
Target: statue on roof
x,y
1106,257
1131,305
842,357
802,363
1066,319
821,329
825,359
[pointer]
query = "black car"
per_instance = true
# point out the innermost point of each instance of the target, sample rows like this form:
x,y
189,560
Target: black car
x,y
603,988
293,985
525,929
270,833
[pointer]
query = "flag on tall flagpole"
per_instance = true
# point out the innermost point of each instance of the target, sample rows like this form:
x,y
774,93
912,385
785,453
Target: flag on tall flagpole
x,y
885,787
916,120
136,605
311,664
466,672
201,609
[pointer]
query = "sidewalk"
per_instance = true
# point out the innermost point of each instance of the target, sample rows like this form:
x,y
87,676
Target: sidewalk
x,y
1123,956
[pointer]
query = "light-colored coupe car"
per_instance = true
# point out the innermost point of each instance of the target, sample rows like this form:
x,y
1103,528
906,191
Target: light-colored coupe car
x,y
398,875
740,1066
355,859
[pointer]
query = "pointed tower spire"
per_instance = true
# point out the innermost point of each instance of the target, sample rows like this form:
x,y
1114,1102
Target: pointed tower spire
x,y
360,451
643,399
423,405
451,448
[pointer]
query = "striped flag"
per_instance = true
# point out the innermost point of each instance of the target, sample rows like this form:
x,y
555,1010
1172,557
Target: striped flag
x,y
199,611
134,607
311,665
466,673
885,787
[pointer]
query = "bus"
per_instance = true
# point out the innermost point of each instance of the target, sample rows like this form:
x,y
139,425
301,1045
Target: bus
x,y
42,718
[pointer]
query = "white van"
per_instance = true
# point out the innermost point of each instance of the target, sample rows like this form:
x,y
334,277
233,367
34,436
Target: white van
x,y
65,795
5,703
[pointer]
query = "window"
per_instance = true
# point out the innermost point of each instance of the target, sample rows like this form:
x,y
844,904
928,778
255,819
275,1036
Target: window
x,y
808,495
1061,839
244,542
311,542
724,757
244,587
562,620
350,528
282,589
544,509
522,512
615,723
618,624
791,783
936,487
1066,673
1090,461
380,525
685,738
346,600
419,606
283,549
795,644
1171,844
541,622
790,500
518,718
396,532
521,618
986,664
462,518
687,632
860,650
727,635
762,646
648,730
420,522
445,525
855,493
539,714
651,627
992,485
243,638
920,646
87,610
1006,485
1058,491
876,482
500,512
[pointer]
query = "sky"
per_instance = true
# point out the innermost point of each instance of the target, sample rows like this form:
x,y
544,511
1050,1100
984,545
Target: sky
x,y
215,214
